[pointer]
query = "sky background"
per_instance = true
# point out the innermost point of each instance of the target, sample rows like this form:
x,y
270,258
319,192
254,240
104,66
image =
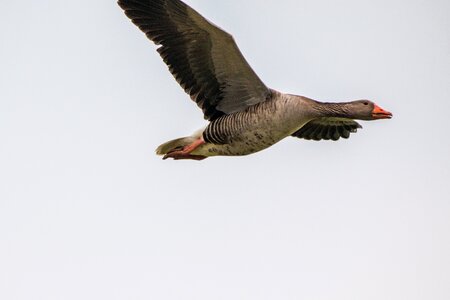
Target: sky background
x,y
87,211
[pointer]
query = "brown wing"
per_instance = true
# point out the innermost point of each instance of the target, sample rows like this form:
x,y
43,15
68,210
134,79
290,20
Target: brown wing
x,y
204,59
327,129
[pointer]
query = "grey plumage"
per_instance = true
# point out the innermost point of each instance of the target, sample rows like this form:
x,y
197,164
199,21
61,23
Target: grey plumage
x,y
245,116
230,127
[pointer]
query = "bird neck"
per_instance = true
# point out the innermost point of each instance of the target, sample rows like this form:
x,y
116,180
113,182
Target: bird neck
x,y
333,110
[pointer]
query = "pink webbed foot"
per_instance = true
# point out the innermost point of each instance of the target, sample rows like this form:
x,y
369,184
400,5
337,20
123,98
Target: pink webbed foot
x,y
184,153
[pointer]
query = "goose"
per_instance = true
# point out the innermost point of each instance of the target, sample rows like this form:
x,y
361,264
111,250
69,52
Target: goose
x,y
245,116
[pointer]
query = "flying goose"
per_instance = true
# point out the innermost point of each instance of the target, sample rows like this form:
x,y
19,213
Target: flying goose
x,y
245,116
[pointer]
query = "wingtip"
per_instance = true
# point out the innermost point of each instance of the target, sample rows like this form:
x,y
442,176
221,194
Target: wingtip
x,y
121,3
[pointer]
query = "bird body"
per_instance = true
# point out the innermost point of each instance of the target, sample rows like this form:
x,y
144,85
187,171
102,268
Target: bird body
x,y
245,116
255,128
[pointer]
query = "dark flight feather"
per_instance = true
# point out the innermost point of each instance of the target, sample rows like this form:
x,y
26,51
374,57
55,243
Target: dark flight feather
x,y
204,59
327,129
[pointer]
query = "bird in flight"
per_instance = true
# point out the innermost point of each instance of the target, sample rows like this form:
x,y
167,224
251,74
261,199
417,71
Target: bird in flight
x,y
245,116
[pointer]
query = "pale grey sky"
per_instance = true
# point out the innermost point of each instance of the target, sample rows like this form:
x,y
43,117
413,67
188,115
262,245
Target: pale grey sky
x,y
87,211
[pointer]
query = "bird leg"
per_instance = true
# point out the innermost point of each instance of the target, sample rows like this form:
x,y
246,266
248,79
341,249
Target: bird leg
x,y
184,153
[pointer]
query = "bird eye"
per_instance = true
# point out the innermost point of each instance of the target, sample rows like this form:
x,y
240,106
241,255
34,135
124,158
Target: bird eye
x,y
366,103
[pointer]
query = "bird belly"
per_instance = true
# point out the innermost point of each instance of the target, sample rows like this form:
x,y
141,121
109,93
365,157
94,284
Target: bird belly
x,y
247,143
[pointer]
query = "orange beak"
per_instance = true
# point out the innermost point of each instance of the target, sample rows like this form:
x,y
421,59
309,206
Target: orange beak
x,y
379,113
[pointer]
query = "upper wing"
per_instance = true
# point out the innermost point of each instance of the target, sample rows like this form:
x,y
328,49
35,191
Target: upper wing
x,y
204,59
327,129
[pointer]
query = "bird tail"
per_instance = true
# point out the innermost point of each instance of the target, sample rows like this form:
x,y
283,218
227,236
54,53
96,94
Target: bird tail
x,y
178,144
